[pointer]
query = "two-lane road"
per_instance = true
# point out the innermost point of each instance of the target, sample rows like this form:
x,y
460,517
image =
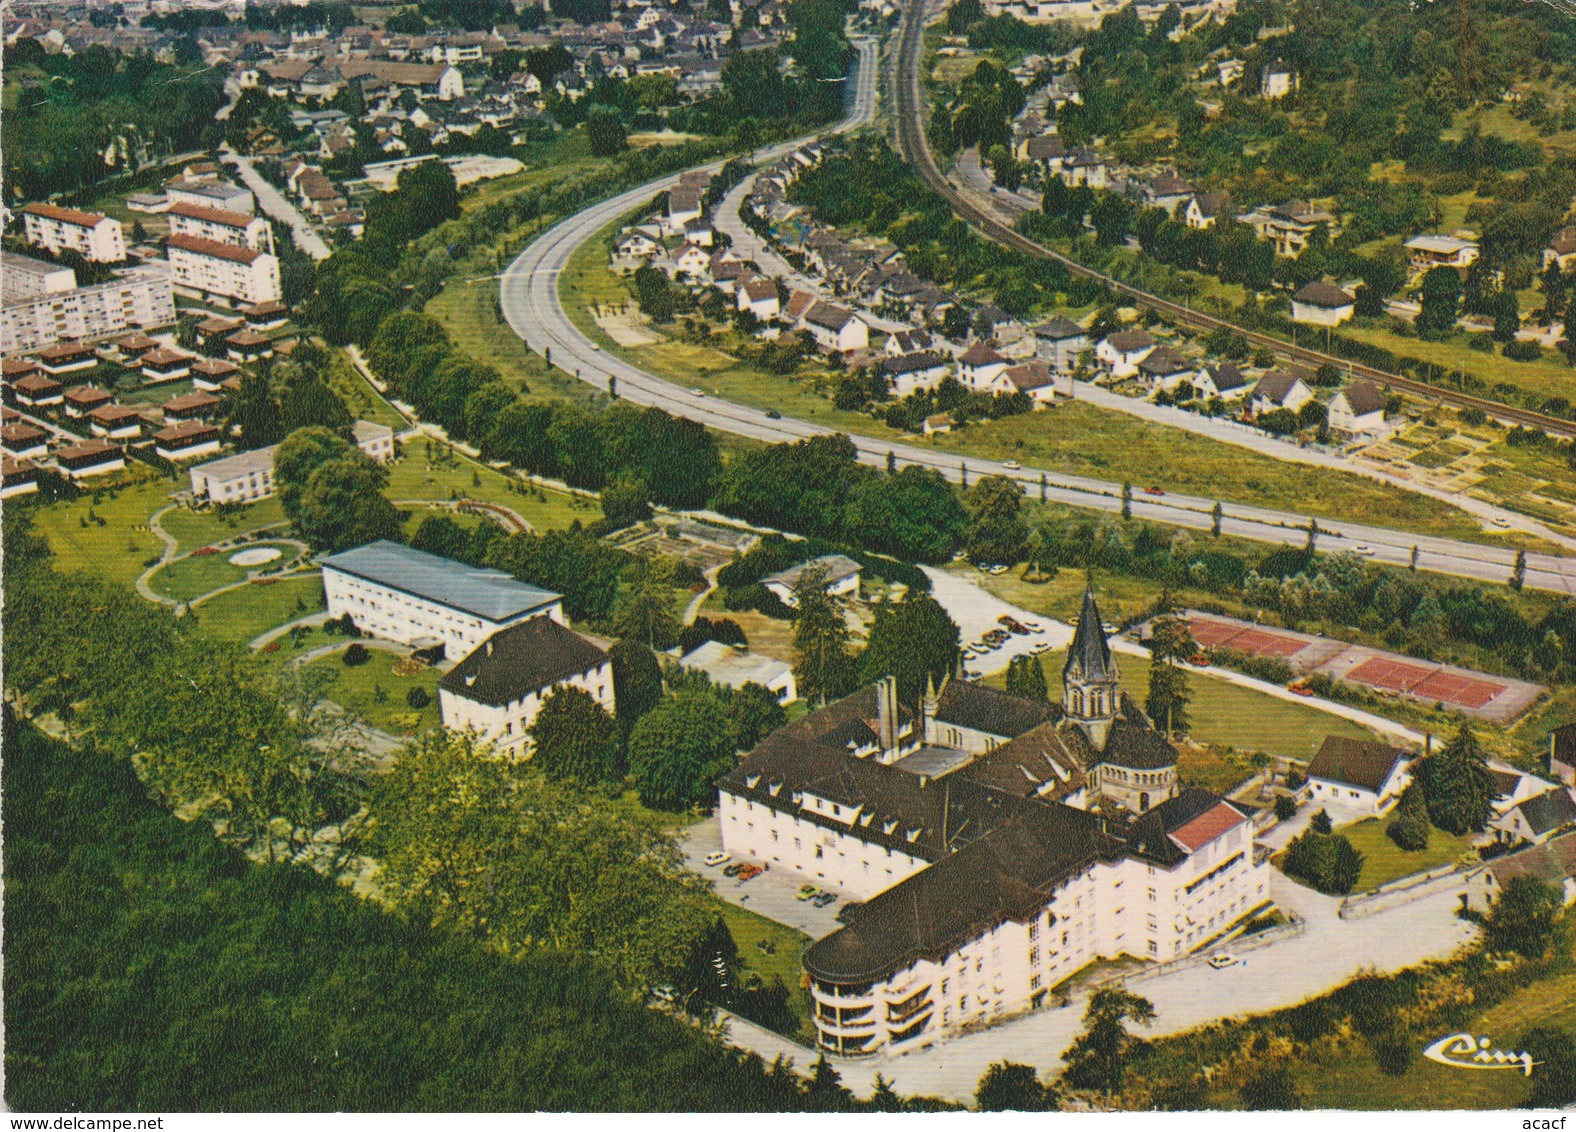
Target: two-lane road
x,y
531,305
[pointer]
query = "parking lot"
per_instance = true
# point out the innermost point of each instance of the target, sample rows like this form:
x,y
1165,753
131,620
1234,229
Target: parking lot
x,y
772,894
976,611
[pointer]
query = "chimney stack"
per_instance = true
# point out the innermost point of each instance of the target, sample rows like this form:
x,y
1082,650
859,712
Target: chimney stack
x,y
886,713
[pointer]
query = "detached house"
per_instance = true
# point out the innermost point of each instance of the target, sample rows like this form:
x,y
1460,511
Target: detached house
x,y
1355,774
1036,379
836,329
1278,389
1561,249
758,295
1223,380
1165,368
1202,210
1358,410
980,365
1121,352
1322,304
910,372
1060,342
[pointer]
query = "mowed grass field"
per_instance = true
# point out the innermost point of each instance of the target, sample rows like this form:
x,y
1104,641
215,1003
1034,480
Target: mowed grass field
x,y
187,578
375,693
1075,438
1384,860
239,615
118,548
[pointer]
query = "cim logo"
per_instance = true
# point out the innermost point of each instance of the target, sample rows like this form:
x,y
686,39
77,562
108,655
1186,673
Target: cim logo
x,y
1463,1051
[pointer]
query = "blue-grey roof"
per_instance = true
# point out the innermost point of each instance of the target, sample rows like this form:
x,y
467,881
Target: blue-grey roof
x,y
490,594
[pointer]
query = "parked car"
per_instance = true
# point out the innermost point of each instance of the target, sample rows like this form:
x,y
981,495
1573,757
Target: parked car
x,y
822,899
1298,688
806,891
749,872
718,857
1198,660
973,676
998,569
1222,960
1012,465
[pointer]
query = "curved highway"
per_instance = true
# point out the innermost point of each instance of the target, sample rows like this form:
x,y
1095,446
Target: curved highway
x,y
529,296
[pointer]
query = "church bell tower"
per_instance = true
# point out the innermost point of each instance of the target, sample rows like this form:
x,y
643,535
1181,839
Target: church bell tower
x,y
1089,679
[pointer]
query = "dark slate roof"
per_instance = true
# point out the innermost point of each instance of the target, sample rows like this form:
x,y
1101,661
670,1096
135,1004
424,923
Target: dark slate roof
x,y
985,709
1226,376
1563,744
1549,811
1089,656
1275,385
1059,329
490,594
514,662
1133,742
1355,762
1554,861
1129,341
1325,295
912,363
1364,397
1164,361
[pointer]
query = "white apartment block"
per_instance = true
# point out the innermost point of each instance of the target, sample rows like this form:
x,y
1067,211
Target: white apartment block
x,y
221,226
496,692
97,237
137,297
22,277
210,193
401,594
247,477
212,268
993,849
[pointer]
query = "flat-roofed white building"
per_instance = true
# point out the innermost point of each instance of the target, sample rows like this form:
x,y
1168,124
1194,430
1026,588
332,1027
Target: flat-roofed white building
x,y
212,268
247,477
138,297
375,440
221,226
23,277
736,667
497,690
1442,251
226,195
97,237
419,599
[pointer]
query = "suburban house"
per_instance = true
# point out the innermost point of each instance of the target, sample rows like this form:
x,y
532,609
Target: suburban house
x,y
1060,342
1121,352
498,689
758,295
1036,379
938,423
1561,249
1322,304
402,594
1356,774
1277,389
1553,862
1220,379
689,260
735,667
248,346
209,374
193,406
96,237
980,365
187,440
836,329
115,422
1164,367
1288,226
1277,80
910,372
164,364
24,441
38,391
17,477
1202,210
841,578
67,357
94,457
1441,251
902,342
1537,819
83,399
1358,410
989,846
376,440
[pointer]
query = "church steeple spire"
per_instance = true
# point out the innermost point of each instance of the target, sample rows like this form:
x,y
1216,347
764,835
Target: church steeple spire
x,y
1089,678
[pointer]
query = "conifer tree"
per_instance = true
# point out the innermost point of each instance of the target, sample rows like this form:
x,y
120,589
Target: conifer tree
x,y
1457,785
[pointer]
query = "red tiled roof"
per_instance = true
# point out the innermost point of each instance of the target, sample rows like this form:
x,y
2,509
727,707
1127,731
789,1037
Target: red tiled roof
x,y
65,215
212,248
1209,825
220,216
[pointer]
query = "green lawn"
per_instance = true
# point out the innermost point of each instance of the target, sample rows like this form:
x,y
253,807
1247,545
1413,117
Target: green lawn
x,y
1384,860
119,548
193,529
452,475
239,615
364,402
783,963
373,692
188,578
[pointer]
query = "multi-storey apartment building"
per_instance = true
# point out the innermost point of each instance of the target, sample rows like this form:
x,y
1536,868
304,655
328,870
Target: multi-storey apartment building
x,y
137,297
221,226
97,237
995,846
419,599
209,267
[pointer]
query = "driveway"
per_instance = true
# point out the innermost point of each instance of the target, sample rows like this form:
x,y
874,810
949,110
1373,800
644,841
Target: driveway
x,y
771,894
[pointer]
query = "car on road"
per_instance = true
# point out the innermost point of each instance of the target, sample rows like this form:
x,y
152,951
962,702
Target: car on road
x,y
749,872
1222,961
1198,660
1500,521
594,346
1154,491
718,857
1012,465
698,391
1364,549
734,869
773,415
806,891
822,899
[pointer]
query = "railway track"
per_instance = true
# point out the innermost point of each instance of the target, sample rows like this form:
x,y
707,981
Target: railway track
x,y
914,148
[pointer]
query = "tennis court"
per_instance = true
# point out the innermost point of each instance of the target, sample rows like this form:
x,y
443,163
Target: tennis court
x,y
1210,634
1426,682
1454,689
1391,675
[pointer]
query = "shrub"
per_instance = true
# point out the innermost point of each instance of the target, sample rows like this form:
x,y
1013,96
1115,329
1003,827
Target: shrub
x,y
1394,1050
418,698
1523,351
1408,833
355,656
1285,808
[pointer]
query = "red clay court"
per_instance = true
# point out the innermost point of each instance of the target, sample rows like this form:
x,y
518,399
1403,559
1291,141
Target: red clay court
x,y
1425,681
1212,634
